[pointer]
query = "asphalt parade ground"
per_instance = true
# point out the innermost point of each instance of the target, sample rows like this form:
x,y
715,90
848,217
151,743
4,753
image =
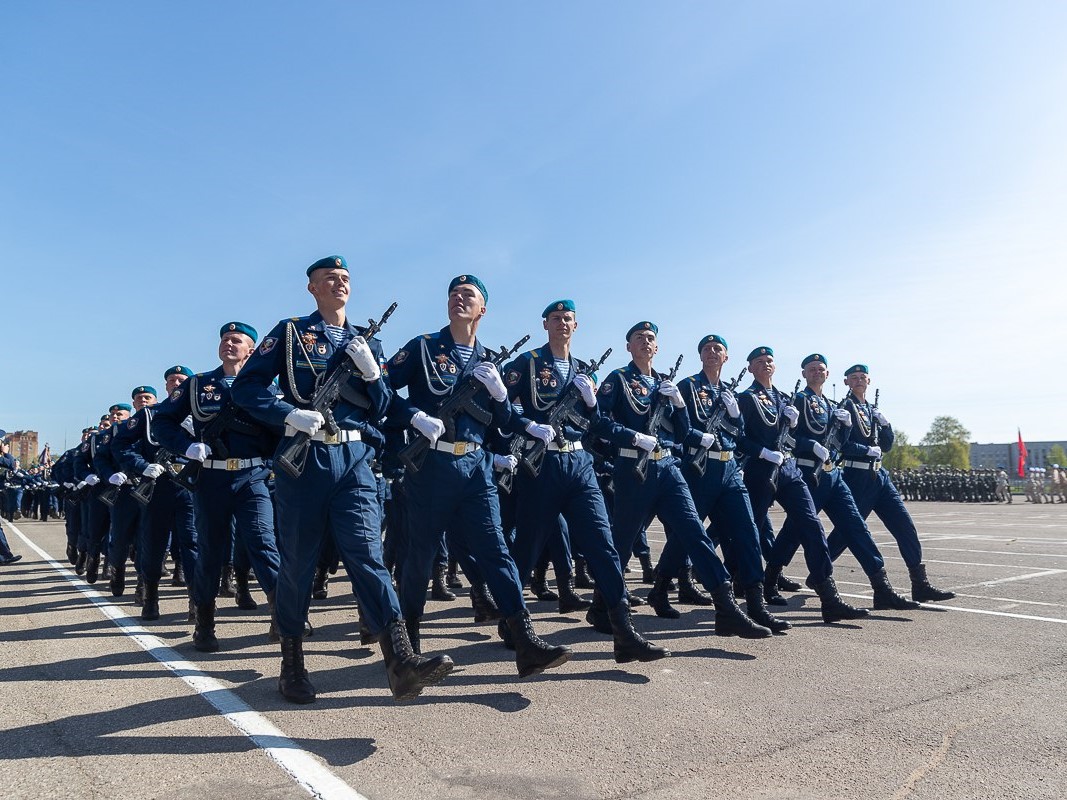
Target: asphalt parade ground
x,y
966,700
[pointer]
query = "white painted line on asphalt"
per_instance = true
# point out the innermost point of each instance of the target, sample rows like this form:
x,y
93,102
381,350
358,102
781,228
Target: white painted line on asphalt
x,y
973,610
1041,574
996,552
963,563
963,594
301,766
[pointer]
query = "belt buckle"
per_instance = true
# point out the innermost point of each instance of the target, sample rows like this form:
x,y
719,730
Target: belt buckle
x,y
233,464
332,438
828,466
567,447
726,455
877,465
459,448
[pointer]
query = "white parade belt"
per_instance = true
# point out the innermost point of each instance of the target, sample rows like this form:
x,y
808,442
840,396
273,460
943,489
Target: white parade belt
x,y
329,438
865,465
827,466
656,455
555,447
233,464
455,448
714,455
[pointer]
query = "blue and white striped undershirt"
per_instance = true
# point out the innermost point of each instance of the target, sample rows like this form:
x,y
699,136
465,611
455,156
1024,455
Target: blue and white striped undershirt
x,y
563,366
338,335
464,353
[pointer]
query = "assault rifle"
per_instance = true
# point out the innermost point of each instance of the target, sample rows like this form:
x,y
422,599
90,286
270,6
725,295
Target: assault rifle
x,y
507,476
832,440
212,437
785,440
563,412
294,455
173,468
716,420
656,413
459,402
875,428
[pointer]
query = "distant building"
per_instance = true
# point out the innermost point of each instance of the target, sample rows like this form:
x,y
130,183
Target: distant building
x,y
1007,455
24,446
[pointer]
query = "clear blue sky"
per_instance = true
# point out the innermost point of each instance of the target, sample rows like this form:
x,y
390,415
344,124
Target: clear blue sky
x,y
881,182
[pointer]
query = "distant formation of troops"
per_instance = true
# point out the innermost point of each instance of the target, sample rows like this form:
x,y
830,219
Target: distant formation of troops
x,y
308,450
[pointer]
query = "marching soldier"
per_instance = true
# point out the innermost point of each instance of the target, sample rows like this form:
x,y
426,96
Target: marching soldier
x,y
869,437
334,493
566,484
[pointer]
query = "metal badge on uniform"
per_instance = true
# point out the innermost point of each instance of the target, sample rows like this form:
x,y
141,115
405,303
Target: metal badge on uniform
x,y
444,364
546,377
321,349
308,339
268,345
638,388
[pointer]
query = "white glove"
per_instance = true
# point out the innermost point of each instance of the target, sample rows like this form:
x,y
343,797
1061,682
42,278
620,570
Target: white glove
x,y
645,442
153,471
878,415
187,423
81,485
670,391
773,456
305,420
198,451
732,408
791,414
546,433
820,452
117,479
68,485
430,427
360,353
92,479
874,452
844,417
585,386
707,440
489,375
505,463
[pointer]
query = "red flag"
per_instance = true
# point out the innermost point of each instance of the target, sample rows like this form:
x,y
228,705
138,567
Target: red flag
x,y
1022,455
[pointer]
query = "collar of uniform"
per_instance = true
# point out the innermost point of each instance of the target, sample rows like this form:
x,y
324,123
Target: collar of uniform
x,y
757,387
315,323
446,344
544,352
216,374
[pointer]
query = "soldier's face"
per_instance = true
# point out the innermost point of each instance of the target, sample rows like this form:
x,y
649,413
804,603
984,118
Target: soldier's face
x,y
143,399
815,374
713,355
330,287
174,381
118,415
561,325
465,303
642,344
858,382
235,347
762,368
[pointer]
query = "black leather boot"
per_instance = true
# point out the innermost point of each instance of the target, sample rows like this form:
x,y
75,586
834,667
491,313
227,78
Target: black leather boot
x,y
192,611
658,598
452,580
597,615
582,578
117,582
532,654
150,607
226,584
539,584
689,593
412,624
485,609
569,600
72,553
293,682
785,584
757,610
320,587
408,672
79,564
177,577
886,597
648,573
438,589
770,586
138,593
730,620
629,644
242,595
922,591
92,569
834,609
204,633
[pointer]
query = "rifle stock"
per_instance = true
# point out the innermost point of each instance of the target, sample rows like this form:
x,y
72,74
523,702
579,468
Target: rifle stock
x,y
655,418
784,441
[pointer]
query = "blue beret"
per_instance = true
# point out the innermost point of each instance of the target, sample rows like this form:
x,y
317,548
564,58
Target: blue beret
x,y
459,280
856,368
239,327
104,417
144,390
642,326
178,369
559,305
811,358
760,351
330,262
120,407
711,337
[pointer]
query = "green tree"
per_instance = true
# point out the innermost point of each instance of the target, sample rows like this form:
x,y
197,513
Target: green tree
x,y
904,454
1056,455
947,443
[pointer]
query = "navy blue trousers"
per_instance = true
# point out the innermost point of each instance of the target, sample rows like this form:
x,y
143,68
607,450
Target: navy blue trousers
x,y
335,497
96,520
169,514
874,491
125,525
567,485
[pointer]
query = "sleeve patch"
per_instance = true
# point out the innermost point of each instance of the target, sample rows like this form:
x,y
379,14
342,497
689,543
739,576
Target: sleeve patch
x,y
268,345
